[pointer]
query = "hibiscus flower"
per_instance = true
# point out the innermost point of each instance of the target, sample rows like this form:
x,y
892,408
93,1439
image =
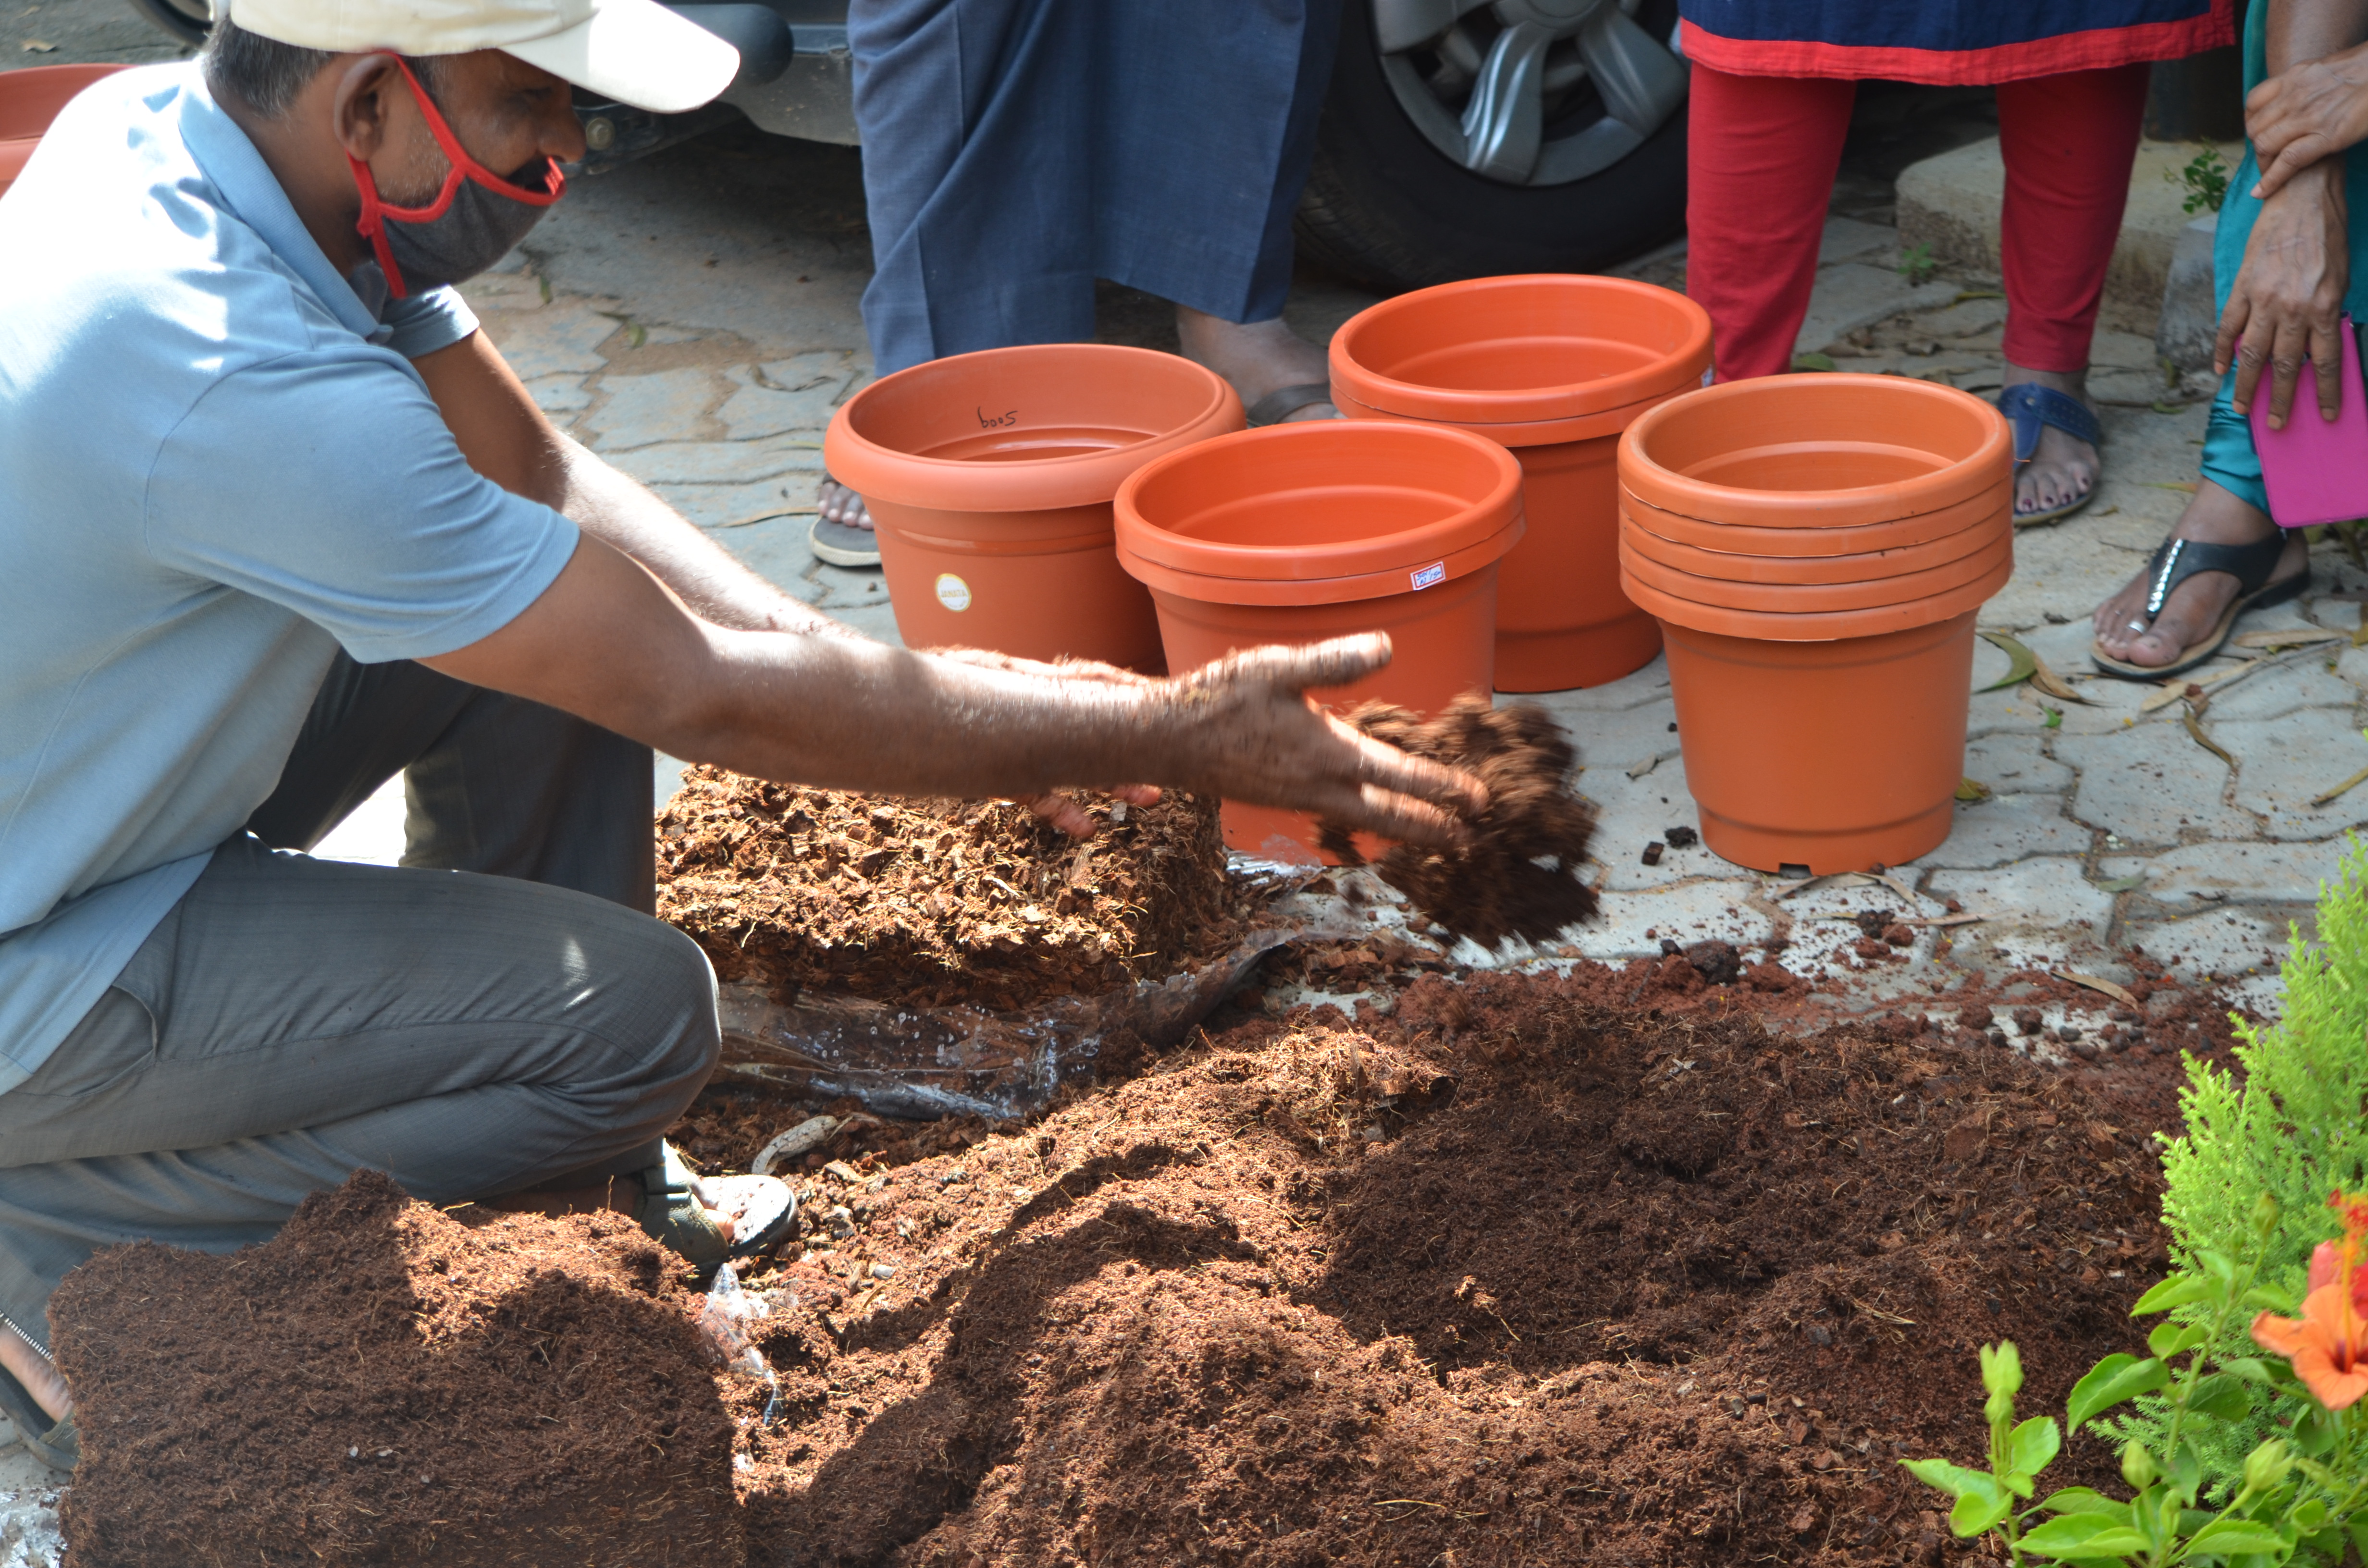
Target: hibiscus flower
x,y
2328,1344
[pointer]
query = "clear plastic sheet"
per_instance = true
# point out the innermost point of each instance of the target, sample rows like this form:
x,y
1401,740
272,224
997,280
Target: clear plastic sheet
x,y
921,1063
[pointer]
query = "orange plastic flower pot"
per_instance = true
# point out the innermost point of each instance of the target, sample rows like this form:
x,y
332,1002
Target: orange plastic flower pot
x,y
1733,539
1834,451
1553,366
1798,598
1906,560
990,478
29,99
1837,755
1296,533
1823,626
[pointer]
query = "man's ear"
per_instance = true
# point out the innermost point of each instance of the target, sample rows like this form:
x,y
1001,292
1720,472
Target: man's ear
x,y
359,106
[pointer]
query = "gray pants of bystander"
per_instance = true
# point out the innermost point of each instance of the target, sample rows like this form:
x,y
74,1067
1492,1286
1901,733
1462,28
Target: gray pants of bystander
x,y
499,1013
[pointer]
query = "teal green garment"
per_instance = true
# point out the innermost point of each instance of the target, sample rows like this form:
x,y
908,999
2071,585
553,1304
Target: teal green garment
x,y
2229,461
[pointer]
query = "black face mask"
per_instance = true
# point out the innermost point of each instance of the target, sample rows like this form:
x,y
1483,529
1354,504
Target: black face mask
x,y
474,220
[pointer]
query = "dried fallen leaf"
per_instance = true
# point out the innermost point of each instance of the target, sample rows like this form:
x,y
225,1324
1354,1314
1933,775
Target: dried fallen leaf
x,y
2184,486
2290,637
1638,771
1971,790
1894,884
2207,742
2024,663
2105,987
1937,922
1804,884
35,46
2122,884
2180,686
2355,780
2047,680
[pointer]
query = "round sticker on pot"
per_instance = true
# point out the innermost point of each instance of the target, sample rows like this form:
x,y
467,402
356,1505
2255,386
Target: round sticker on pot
x,y
952,592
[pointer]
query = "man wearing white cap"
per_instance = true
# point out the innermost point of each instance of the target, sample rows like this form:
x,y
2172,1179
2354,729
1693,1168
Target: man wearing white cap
x,y
277,523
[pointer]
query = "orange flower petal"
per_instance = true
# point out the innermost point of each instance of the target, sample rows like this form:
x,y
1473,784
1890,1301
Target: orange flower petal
x,y
2285,1336
2333,1387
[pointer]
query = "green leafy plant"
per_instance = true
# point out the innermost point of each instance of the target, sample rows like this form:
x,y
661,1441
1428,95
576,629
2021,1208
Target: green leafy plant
x,y
2286,1123
1915,264
2300,1495
2205,177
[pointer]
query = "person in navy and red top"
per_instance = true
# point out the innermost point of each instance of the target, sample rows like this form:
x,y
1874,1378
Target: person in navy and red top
x,y
1773,82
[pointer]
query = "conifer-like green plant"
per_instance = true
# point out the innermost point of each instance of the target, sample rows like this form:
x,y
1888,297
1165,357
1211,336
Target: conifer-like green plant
x,y
2290,1125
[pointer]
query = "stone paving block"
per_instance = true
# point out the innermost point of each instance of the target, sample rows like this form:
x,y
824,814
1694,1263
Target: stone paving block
x,y
2043,912
737,505
1855,294
2302,682
2151,785
2203,874
2015,765
2288,761
2001,831
2124,350
1965,318
719,462
2222,944
1650,684
1847,239
1825,937
667,405
797,394
1624,736
559,395
1636,812
561,336
1694,912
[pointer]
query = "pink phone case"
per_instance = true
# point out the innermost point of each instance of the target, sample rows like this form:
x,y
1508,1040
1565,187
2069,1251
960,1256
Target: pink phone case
x,y
2317,470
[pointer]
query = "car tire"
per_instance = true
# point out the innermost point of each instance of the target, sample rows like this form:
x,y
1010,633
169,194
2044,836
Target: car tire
x,y
1384,207
185,19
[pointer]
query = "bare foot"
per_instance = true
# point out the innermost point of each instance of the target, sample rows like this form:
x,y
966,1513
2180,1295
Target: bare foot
x,y
2214,517
1257,357
835,503
2063,469
30,1367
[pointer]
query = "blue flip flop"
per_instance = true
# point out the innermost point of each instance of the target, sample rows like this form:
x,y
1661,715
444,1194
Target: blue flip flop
x,y
2030,408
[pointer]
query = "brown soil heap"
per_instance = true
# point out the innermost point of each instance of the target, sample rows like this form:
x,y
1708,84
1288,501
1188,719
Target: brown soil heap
x,y
1513,1278
936,902
384,1383
1493,887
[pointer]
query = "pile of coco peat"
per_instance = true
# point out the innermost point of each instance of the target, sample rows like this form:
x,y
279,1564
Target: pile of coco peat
x,y
936,902
387,1382
1510,1277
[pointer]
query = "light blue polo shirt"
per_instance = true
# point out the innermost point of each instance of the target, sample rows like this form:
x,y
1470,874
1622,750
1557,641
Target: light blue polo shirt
x,y
217,467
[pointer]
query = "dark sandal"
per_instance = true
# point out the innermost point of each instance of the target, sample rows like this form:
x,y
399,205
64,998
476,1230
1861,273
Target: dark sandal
x,y
52,1442
2176,560
1284,401
2029,408
670,1211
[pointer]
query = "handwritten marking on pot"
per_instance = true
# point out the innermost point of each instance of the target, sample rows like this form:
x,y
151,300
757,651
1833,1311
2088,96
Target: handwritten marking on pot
x,y
809,1134
2105,987
952,592
1427,577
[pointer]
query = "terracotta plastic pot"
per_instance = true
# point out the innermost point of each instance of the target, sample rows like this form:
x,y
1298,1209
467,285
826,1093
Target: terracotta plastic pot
x,y
1798,598
1824,625
990,478
1834,755
1905,562
1296,533
29,99
1553,366
1815,452
1745,540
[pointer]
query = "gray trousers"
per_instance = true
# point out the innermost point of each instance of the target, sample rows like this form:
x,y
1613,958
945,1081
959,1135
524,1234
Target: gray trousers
x,y
498,1014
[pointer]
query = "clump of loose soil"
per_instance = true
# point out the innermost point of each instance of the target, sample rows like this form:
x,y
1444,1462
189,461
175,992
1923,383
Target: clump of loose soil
x,y
1520,874
1513,1277
935,902
385,1382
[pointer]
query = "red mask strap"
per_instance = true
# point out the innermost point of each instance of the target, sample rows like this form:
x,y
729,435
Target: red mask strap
x,y
377,212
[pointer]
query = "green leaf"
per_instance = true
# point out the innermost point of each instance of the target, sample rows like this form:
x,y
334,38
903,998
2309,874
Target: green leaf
x,y
2253,1370
2273,1297
2358,1529
2178,1290
2054,719
2221,1397
2082,1500
2021,663
1813,361
1974,1513
2227,1538
2314,1432
1954,1479
2174,1338
2078,1538
2110,1382
2218,1265
2032,1446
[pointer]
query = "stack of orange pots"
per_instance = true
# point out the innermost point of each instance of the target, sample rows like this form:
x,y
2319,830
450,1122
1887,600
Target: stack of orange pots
x,y
1553,367
1815,548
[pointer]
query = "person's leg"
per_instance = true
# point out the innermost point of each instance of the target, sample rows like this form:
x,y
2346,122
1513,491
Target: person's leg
x,y
493,783
295,1021
2068,142
1760,157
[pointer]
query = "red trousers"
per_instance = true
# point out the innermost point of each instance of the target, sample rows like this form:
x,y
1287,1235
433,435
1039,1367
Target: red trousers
x,y
1761,157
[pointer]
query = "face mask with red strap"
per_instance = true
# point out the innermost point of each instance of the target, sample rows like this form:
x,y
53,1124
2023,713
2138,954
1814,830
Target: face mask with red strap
x,y
474,220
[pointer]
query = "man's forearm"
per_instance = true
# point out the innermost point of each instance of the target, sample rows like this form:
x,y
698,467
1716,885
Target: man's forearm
x,y
2299,31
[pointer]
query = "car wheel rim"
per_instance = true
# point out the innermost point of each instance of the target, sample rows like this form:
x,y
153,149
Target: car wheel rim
x,y
1528,92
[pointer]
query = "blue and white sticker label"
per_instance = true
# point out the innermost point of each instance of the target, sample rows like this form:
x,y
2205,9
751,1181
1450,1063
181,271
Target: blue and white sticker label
x,y
1430,576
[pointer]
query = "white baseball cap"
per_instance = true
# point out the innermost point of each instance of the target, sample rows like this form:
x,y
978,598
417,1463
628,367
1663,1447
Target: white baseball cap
x,y
634,51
